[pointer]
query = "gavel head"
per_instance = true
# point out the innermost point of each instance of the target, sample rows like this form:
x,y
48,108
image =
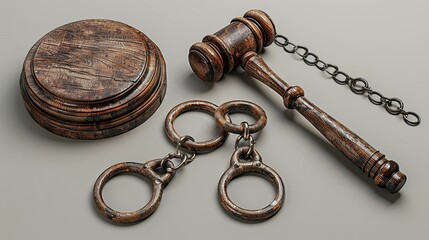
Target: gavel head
x,y
222,51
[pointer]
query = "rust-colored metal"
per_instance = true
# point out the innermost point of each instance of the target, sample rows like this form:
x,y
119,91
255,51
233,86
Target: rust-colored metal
x,y
147,170
246,160
239,167
240,106
194,105
151,169
235,44
93,79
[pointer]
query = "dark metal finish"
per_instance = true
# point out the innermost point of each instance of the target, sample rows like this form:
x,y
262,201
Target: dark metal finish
x,y
253,165
385,173
194,105
343,78
413,122
93,79
240,106
252,161
159,181
147,170
174,155
179,147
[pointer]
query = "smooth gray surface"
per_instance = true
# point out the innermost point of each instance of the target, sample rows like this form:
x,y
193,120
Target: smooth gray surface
x,y
46,180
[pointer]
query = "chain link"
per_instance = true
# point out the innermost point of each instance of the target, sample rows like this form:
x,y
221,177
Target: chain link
x,y
180,155
179,148
359,85
246,137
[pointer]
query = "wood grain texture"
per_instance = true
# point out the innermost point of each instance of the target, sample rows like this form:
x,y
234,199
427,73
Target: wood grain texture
x,y
93,79
239,42
385,173
222,51
89,61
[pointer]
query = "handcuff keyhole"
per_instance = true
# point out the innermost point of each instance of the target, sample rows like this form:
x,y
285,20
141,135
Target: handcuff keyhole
x,y
127,192
251,191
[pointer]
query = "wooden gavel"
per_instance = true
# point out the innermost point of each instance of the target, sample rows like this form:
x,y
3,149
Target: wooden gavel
x,y
239,43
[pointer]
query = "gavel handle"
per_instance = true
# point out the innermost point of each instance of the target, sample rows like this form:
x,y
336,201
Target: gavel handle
x,y
385,173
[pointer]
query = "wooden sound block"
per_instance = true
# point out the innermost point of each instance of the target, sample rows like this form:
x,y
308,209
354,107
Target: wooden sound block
x,y
93,79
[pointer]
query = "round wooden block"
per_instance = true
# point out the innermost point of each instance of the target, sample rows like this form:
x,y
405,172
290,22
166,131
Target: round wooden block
x,y
93,79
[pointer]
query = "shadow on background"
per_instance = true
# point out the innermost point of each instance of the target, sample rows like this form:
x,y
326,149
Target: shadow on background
x,y
316,139
197,85
20,116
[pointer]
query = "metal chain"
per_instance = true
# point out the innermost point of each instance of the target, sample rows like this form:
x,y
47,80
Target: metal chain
x,y
180,155
246,137
179,148
360,86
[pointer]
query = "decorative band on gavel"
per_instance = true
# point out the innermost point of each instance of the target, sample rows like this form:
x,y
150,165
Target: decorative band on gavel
x,y
239,43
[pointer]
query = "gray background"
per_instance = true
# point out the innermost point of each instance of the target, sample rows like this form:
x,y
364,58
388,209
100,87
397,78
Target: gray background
x,y
46,180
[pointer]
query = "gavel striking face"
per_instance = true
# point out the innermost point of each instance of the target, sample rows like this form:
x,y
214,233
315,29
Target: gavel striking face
x,y
223,51
239,43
